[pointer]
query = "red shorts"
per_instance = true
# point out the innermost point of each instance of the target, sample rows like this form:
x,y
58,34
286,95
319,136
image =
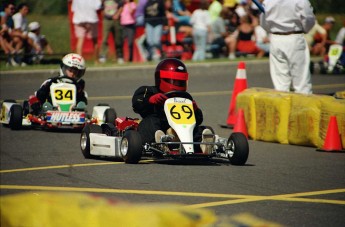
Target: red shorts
x,y
88,30
247,46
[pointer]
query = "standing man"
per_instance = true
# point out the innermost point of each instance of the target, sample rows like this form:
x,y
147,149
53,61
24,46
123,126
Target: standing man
x,y
85,20
112,10
287,21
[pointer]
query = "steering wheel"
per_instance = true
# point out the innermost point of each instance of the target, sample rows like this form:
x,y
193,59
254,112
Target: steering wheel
x,y
182,94
65,79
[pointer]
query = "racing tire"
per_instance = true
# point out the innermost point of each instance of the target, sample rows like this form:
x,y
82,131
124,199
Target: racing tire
x,y
110,116
131,147
238,144
26,108
16,117
85,138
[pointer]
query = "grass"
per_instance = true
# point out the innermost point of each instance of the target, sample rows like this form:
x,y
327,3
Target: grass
x,y
56,28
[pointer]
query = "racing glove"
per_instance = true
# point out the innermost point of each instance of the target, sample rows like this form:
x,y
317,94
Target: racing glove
x,y
157,99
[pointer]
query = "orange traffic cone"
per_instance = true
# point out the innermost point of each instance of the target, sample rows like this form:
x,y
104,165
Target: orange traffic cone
x,y
240,125
239,85
332,140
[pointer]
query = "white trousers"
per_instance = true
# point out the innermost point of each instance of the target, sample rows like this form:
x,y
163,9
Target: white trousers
x,y
289,63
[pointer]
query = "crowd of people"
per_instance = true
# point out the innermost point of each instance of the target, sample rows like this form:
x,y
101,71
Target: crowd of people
x,y
21,42
217,28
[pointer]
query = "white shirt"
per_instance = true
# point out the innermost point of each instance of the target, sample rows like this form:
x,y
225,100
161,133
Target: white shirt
x,y
85,11
200,19
20,22
287,16
260,34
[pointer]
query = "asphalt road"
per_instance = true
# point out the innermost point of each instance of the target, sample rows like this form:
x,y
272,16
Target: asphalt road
x,y
285,184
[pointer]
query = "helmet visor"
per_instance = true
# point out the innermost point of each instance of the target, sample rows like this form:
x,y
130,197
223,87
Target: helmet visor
x,y
73,72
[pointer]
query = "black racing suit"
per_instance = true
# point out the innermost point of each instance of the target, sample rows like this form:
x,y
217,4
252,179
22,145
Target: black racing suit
x,y
43,93
153,116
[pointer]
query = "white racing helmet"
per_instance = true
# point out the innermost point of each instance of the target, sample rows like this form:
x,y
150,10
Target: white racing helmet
x,y
74,62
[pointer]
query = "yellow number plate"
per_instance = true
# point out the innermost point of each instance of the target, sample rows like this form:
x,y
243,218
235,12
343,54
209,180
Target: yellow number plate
x,y
63,94
181,113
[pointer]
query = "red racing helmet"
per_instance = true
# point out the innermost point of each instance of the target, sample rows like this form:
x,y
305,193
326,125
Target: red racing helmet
x,y
171,75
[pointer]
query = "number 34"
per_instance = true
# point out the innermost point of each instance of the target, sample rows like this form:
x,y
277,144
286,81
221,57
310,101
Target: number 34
x,y
63,94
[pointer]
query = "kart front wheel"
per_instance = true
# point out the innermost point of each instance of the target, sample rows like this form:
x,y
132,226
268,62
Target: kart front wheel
x,y
238,148
16,117
85,138
131,147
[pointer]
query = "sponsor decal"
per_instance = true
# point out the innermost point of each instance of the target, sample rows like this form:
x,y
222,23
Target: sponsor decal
x,y
71,117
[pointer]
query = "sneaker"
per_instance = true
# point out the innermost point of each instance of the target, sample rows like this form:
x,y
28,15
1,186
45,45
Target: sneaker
x,y
102,60
232,56
13,62
207,137
172,134
120,61
159,134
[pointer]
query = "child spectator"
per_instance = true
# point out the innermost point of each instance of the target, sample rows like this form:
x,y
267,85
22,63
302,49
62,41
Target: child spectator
x,y
40,44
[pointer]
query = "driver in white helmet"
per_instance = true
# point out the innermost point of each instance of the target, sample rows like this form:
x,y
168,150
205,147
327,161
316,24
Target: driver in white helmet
x,y
170,75
72,68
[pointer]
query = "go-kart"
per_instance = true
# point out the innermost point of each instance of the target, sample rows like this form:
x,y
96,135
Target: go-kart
x,y
123,141
333,62
63,111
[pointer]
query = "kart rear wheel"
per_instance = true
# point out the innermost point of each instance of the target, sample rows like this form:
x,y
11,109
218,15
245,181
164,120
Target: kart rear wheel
x,y
239,148
85,138
110,116
16,117
131,147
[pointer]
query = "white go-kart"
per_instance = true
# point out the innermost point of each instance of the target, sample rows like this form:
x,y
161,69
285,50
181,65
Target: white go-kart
x,y
63,112
122,140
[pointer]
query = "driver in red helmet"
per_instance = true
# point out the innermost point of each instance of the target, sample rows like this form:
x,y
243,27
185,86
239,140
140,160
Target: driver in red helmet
x,y
170,75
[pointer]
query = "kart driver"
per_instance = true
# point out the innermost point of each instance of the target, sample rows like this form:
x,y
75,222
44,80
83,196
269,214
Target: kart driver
x,y
72,66
148,101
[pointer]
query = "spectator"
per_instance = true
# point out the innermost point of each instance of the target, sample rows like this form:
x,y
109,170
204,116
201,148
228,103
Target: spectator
x,y
181,13
262,40
287,21
215,8
328,26
232,22
201,22
182,17
219,33
242,40
112,10
40,44
155,19
85,20
6,27
140,13
20,31
316,40
128,23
